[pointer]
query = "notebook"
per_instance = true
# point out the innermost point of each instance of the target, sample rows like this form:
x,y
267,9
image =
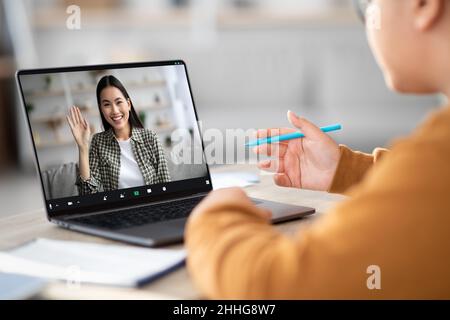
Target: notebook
x,y
81,262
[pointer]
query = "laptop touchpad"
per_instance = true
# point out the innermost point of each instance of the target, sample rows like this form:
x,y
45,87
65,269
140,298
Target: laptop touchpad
x,y
166,230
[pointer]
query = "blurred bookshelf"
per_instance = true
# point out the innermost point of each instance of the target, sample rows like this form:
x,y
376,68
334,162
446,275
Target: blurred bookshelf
x,y
90,89
7,68
224,17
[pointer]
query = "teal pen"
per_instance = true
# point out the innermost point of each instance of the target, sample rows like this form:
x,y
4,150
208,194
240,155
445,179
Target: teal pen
x,y
289,136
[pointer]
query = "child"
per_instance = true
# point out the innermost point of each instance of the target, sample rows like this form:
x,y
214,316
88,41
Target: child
x,y
391,237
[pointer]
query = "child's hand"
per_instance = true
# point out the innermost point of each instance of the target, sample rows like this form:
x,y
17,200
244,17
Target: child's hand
x,y
308,163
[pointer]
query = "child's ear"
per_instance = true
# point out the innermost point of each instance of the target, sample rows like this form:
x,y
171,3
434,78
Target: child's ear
x,y
427,13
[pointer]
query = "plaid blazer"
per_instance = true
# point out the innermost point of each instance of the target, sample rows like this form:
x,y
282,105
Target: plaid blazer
x,y
104,160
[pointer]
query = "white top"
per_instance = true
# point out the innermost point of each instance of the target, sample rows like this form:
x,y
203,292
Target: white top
x,y
130,175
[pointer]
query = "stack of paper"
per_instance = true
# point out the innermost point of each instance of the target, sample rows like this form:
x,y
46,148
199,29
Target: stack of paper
x,y
78,262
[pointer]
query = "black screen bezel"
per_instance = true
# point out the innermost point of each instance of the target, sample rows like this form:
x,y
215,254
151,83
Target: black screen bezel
x,y
198,189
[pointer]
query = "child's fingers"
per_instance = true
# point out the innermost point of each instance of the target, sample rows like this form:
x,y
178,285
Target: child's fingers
x,y
282,180
272,166
310,130
272,132
271,149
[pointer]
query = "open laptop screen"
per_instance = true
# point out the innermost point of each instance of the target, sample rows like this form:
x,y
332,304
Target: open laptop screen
x,y
114,135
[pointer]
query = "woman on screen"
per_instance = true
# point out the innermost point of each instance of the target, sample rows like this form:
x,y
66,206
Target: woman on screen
x,y
124,155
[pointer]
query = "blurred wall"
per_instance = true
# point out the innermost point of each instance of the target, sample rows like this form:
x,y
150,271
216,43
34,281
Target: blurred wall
x,y
247,67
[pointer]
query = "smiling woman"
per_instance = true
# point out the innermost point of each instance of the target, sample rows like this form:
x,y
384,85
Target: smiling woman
x,y
125,154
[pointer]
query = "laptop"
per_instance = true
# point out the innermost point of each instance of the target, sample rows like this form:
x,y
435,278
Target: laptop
x,y
140,190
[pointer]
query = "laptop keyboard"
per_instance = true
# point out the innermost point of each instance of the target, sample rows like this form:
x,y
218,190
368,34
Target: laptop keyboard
x,y
140,216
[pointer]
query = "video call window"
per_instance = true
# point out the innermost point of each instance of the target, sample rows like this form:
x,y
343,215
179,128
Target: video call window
x,y
103,130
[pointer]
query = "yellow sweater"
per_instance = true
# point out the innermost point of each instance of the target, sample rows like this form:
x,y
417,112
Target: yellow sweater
x,y
397,218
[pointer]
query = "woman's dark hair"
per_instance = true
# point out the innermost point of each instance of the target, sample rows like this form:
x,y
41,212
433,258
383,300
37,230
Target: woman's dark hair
x,y
111,81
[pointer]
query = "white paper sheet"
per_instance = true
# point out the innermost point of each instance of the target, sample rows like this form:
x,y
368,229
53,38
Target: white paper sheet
x,y
78,262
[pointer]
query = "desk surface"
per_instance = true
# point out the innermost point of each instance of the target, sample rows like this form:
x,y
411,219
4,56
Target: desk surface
x,y
20,228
